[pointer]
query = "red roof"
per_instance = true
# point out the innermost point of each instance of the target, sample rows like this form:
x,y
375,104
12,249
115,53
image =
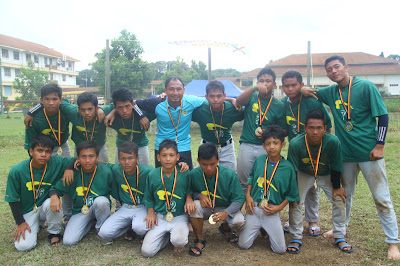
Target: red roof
x,y
30,46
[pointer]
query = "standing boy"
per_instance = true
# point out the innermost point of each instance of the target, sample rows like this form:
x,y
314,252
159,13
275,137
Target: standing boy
x,y
215,118
261,109
220,198
271,186
168,198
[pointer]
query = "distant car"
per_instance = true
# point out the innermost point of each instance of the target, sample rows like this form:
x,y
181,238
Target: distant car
x,y
100,100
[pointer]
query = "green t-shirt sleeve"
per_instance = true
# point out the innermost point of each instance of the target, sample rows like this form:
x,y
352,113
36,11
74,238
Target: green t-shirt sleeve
x,y
148,194
30,132
237,193
293,157
281,117
69,110
13,186
292,193
336,157
323,94
61,189
195,115
376,103
107,109
251,176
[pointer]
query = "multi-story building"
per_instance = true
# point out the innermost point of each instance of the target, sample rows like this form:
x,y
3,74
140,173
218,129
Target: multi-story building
x,y
15,53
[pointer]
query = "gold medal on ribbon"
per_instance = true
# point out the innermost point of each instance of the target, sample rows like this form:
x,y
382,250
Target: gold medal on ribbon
x,y
133,207
315,168
34,190
211,219
133,198
315,184
258,131
262,117
348,126
169,216
59,151
219,149
85,209
35,209
264,203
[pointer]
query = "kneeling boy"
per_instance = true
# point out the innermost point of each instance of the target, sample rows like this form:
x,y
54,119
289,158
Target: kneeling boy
x,y
271,186
167,193
220,198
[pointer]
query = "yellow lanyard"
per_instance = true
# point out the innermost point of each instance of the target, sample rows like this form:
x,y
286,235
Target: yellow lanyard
x,y
348,108
51,127
129,187
165,189
298,114
262,117
33,180
215,189
266,188
179,119
218,133
90,183
94,124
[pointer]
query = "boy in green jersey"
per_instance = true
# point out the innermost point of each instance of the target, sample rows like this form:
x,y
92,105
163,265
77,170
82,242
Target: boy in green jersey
x,y
168,199
261,110
90,192
218,195
362,130
129,185
215,118
317,158
29,204
271,186
296,108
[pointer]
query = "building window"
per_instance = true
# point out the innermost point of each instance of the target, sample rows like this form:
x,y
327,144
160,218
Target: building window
x,y
7,90
50,61
45,60
16,55
51,76
7,72
394,85
17,72
36,58
70,64
4,53
63,64
64,77
28,57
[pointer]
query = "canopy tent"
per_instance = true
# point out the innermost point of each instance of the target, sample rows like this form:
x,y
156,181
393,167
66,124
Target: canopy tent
x,y
198,88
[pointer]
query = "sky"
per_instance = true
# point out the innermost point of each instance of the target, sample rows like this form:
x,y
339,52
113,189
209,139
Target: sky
x,y
268,30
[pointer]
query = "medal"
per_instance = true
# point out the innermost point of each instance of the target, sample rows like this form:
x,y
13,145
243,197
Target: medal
x,y
85,209
35,208
315,184
35,192
129,187
264,203
262,117
315,168
173,123
219,149
133,207
211,219
169,216
218,133
258,131
59,151
348,126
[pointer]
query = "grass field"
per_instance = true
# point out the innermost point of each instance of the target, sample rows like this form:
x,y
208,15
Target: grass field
x,y
364,233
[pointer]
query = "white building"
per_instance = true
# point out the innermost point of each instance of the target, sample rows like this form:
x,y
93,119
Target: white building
x,y
15,53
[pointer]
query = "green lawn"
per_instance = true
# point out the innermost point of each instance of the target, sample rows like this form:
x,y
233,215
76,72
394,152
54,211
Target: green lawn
x,y
365,232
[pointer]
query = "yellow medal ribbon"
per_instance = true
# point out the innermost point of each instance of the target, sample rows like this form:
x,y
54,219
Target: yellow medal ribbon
x,y
262,117
215,189
33,181
165,189
266,187
51,127
315,168
218,133
94,124
179,119
298,114
133,120
348,108
90,184
129,187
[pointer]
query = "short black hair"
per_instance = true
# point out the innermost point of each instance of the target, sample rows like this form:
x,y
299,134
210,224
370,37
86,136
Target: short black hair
x,y
273,131
168,144
42,141
268,71
87,97
292,74
51,88
215,85
122,95
315,114
87,144
335,57
207,151
129,148
173,78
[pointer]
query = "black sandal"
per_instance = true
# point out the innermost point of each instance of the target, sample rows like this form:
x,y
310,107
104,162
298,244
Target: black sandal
x,y
50,236
200,250
130,235
229,239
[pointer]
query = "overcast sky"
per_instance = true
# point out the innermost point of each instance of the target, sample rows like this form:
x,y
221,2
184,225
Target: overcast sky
x,y
269,30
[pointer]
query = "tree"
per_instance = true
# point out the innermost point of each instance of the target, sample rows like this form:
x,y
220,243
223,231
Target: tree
x,y
180,69
30,81
87,78
382,55
127,69
229,72
394,56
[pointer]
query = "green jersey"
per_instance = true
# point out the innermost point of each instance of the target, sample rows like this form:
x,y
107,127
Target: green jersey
x,y
203,116
283,185
154,196
19,182
40,125
101,186
228,187
125,130
330,158
83,130
366,105
275,115
120,188
291,113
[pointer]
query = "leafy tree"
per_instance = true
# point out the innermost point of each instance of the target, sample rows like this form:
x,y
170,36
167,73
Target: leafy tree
x,y
88,75
180,69
30,81
382,55
127,69
229,72
394,56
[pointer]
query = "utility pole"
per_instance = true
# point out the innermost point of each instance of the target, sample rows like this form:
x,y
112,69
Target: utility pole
x,y
108,83
309,63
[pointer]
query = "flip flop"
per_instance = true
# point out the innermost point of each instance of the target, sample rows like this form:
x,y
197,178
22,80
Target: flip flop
x,y
293,246
286,224
200,250
340,240
50,236
314,228
229,239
